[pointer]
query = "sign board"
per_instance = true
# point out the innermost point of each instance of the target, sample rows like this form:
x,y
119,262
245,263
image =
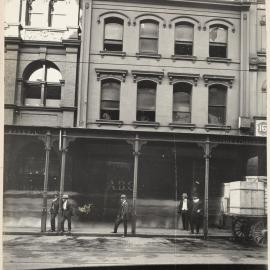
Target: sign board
x,y
261,127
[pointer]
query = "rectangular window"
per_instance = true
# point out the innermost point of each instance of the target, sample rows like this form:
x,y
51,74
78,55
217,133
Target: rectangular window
x,y
146,101
110,100
148,37
184,39
113,34
217,105
218,41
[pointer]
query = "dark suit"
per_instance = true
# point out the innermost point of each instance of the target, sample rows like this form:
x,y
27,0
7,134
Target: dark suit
x,y
122,216
184,214
196,215
54,211
66,215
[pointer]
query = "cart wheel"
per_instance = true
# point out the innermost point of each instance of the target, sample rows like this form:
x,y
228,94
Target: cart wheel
x,y
259,234
250,235
241,229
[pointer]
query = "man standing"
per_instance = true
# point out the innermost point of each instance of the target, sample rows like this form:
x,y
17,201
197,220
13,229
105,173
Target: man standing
x,y
66,213
196,214
54,210
184,209
122,215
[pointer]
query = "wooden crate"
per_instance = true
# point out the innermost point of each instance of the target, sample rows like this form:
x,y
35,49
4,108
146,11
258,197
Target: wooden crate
x,y
247,198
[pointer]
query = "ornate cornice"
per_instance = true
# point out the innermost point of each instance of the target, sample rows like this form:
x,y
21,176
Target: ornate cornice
x,y
210,79
150,16
185,19
219,21
139,75
118,74
183,77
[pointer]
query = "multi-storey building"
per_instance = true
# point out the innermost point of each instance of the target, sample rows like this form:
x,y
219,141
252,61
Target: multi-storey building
x,y
171,98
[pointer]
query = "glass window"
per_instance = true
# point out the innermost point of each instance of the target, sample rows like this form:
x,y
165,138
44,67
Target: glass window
x,y
146,101
217,105
110,100
57,14
184,39
113,34
218,38
42,85
182,103
149,37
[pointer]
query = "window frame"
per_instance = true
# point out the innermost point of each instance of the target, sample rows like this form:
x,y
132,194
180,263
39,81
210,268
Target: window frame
x,y
101,111
223,88
179,42
218,44
185,85
148,37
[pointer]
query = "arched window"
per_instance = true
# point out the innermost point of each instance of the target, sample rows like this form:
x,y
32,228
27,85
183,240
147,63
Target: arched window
x,y
218,39
146,101
110,99
217,104
184,34
42,85
149,36
182,103
113,34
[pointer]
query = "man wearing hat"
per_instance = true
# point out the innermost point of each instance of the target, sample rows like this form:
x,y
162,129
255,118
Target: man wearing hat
x,y
196,213
184,209
66,213
54,210
122,215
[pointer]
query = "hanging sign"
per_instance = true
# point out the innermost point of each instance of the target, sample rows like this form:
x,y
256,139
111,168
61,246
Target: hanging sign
x,y
260,127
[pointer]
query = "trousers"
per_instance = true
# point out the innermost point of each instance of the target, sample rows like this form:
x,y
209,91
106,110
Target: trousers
x,y
118,221
53,216
64,218
185,219
195,221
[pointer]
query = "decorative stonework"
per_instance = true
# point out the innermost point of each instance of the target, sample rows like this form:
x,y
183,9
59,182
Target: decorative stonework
x,y
118,74
185,19
44,35
150,16
147,75
219,21
183,77
209,79
113,14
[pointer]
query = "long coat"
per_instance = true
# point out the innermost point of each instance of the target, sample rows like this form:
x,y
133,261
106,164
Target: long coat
x,y
181,205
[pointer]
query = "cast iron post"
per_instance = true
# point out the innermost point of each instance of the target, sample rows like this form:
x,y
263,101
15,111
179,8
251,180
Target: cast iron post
x,y
46,177
62,177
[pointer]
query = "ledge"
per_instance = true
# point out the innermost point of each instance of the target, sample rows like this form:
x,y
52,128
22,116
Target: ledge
x,y
39,108
184,57
119,74
219,60
113,53
101,122
217,127
148,55
182,125
209,78
145,124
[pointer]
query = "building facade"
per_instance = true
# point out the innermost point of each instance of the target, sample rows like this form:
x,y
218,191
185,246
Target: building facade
x,y
163,97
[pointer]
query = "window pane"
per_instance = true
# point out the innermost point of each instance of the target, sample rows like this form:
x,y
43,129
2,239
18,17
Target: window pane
x,y
146,99
184,32
110,105
113,31
53,92
146,116
216,115
53,75
109,115
110,91
37,75
183,49
218,34
58,20
181,101
33,91
183,117
218,51
217,96
149,29
148,45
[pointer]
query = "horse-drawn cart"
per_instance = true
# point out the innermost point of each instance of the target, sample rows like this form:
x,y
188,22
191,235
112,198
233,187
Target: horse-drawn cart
x,y
246,203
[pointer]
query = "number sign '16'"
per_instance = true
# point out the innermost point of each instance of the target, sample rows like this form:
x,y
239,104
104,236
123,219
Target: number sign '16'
x,y
260,128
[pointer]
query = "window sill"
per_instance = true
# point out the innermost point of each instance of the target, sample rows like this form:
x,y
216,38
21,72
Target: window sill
x,y
148,55
217,127
145,124
113,53
41,108
182,125
101,122
219,60
184,57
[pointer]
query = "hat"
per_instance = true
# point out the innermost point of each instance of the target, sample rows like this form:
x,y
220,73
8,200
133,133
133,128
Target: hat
x,y
184,195
65,196
123,196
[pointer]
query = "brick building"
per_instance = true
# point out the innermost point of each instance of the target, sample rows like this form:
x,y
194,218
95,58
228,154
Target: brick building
x,y
163,97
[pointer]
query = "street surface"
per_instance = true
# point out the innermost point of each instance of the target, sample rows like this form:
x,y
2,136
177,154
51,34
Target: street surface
x,y
36,252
